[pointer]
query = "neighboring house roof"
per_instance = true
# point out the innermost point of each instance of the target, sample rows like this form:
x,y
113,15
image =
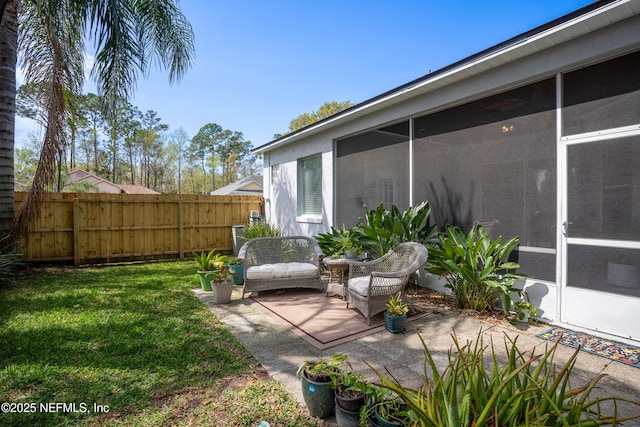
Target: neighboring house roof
x,y
249,186
580,22
105,186
136,189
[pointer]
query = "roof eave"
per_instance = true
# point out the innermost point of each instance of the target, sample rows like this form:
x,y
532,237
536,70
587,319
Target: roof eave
x,y
578,23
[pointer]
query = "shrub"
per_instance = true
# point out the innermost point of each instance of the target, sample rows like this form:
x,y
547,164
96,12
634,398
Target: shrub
x,y
261,229
338,240
476,268
527,390
383,230
380,231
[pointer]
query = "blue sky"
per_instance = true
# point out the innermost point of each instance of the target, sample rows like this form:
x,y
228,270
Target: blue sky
x,y
261,63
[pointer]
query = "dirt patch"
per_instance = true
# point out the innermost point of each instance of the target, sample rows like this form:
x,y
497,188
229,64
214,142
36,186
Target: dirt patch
x,y
435,301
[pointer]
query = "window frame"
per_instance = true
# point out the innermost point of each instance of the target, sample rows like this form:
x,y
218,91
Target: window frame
x,y
304,212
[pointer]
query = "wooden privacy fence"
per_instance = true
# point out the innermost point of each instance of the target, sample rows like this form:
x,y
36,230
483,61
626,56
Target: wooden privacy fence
x,y
97,227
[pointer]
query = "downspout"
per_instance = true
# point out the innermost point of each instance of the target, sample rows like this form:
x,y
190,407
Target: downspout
x,y
411,169
561,271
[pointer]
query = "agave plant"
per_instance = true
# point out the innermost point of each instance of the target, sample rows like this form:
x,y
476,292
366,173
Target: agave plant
x,y
527,390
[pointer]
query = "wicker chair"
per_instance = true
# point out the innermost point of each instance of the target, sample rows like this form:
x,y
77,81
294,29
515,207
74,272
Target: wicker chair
x,y
371,283
280,263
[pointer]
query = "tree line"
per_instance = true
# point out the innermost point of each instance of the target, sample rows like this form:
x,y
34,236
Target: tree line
x,y
131,147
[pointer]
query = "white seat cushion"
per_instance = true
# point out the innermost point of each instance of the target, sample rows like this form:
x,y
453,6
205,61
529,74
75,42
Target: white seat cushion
x,y
360,285
281,270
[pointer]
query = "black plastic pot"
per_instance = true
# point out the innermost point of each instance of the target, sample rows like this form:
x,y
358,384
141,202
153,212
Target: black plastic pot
x,y
350,404
345,418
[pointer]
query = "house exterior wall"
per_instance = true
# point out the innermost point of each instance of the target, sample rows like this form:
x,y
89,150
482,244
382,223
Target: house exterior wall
x,y
447,91
281,186
594,47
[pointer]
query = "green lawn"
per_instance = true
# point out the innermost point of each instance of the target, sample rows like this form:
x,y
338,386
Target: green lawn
x,y
132,340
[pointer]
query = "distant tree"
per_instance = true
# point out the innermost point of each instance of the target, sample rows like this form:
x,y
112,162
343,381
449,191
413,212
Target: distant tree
x,y
203,147
132,122
327,109
116,126
92,108
26,161
179,140
151,147
233,151
31,102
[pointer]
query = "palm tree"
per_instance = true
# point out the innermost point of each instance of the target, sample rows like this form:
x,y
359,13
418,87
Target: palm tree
x,y
129,35
8,54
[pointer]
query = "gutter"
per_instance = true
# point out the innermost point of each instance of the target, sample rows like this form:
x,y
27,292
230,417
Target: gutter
x,y
499,51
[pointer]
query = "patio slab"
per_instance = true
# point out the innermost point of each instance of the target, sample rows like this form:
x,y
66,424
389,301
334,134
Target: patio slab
x,y
281,352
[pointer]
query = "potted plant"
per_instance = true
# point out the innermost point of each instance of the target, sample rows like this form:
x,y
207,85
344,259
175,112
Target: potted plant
x,y
207,262
383,408
350,391
316,381
395,318
349,246
237,270
205,265
392,413
221,281
525,311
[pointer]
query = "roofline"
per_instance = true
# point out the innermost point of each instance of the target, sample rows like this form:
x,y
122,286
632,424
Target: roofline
x,y
492,52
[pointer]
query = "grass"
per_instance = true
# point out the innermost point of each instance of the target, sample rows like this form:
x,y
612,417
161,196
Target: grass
x,y
133,340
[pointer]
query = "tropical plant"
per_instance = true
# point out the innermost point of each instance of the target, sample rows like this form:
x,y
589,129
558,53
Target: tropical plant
x,y
475,267
524,310
385,403
219,273
526,390
348,383
261,229
207,261
339,240
129,37
322,369
383,230
396,306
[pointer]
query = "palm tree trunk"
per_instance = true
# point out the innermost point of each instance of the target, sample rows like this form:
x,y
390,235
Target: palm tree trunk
x,y
8,54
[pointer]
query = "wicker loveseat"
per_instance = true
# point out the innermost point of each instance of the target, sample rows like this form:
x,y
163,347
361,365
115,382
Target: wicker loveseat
x,y
371,283
280,263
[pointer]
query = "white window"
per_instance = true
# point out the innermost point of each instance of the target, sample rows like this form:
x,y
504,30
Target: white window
x,y
275,171
310,188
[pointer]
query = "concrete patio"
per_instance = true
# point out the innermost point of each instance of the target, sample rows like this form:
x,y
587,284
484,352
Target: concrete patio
x,y
281,352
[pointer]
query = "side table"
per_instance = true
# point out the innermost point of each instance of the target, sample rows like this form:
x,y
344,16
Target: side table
x,y
337,266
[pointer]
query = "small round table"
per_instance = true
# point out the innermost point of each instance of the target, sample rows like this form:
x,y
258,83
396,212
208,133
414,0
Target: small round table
x,y
339,266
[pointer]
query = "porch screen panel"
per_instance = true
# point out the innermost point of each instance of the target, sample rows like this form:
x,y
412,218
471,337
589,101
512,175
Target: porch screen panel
x,y
611,270
602,96
372,168
493,161
605,180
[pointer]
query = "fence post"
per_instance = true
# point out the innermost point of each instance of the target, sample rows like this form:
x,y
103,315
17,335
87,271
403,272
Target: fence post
x,y
76,232
180,230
